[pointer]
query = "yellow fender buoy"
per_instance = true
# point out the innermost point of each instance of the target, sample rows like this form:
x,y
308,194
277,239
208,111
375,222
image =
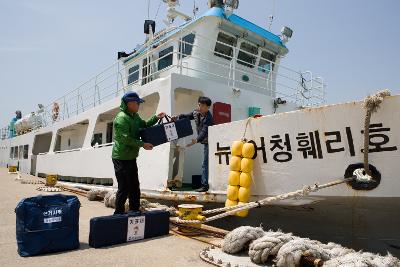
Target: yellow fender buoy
x,y
230,203
242,213
232,192
248,150
234,178
244,194
234,163
236,148
245,179
240,179
246,165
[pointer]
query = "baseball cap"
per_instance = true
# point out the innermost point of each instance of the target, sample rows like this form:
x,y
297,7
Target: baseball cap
x,y
132,97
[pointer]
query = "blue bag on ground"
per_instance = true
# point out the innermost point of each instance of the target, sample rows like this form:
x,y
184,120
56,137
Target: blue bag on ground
x,y
47,224
117,229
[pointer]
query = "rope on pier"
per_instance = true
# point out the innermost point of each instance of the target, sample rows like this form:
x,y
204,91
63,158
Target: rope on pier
x,y
288,250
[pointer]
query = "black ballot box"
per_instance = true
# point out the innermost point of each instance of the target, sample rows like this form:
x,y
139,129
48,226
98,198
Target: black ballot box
x,y
118,229
164,132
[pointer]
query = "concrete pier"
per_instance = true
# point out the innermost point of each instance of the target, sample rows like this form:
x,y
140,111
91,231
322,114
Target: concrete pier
x,y
169,250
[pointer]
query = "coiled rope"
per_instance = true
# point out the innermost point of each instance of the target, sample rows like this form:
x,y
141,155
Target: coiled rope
x,y
287,250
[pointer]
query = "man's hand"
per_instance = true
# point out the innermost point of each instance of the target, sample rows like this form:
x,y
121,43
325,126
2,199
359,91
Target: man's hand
x,y
174,118
194,141
147,146
161,115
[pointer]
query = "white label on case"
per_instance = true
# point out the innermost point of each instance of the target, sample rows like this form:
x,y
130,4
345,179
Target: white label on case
x,y
52,219
170,131
135,228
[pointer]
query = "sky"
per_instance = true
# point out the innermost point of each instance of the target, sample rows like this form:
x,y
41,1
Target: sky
x,y
49,47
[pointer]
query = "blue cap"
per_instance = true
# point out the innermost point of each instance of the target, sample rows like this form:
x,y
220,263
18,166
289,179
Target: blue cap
x,y
132,97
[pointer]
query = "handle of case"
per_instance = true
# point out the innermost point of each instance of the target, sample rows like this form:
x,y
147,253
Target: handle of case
x,y
40,199
167,118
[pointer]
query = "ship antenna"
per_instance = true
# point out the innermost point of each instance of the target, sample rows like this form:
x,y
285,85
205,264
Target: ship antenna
x,y
271,17
158,9
148,9
195,9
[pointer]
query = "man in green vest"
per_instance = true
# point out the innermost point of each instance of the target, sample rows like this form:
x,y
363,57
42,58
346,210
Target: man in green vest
x,y
126,147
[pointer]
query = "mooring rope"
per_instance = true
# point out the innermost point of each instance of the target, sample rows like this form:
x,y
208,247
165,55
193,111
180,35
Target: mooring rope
x,y
263,202
245,128
371,104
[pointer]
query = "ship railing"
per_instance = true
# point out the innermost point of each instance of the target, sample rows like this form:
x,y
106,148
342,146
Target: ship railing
x,y
278,80
96,146
84,148
67,150
4,133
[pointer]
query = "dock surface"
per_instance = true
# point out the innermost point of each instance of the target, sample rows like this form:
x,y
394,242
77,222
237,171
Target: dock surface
x,y
169,250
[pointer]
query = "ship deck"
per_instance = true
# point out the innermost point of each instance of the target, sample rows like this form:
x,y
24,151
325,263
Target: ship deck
x,y
171,250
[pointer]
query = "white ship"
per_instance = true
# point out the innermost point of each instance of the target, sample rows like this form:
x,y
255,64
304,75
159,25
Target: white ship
x,y
236,63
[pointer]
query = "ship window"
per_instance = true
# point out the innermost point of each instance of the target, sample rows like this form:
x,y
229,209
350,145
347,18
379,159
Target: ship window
x,y
42,142
11,152
21,152
224,46
145,72
186,45
247,55
266,64
133,74
165,58
26,149
15,156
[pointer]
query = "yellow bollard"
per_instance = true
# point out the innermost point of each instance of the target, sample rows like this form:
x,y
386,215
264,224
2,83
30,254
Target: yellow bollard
x,y
12,169
51,179
190,212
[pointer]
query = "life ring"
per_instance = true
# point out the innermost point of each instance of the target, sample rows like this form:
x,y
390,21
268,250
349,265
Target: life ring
x,y
55,111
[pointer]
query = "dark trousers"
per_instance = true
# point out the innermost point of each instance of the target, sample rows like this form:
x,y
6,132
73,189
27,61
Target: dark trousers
x,y
204,167
126,172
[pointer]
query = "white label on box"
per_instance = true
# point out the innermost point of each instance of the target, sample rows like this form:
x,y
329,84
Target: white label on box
x,y
52,219
170,131
135,228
